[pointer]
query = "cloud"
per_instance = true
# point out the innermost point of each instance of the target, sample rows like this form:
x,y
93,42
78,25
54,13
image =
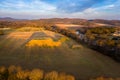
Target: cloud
x,y
72,6
98,9
24,5
76,5
60,8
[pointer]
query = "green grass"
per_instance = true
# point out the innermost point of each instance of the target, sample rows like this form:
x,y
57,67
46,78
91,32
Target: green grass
x,y
83,63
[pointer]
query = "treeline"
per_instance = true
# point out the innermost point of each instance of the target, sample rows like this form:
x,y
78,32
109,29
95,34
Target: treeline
x,y
27,23
105,78
102,40
101,36
95,38
102,30
17,73
36,23
42,22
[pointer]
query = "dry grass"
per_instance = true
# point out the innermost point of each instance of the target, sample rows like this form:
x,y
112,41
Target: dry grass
x,y
5,28
20,35
44,43
68,25
53,35
24,29
50,34
83,63
64,39
14,40
46,39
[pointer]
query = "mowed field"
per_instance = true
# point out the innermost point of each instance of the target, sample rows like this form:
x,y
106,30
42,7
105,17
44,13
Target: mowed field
x,y
82,62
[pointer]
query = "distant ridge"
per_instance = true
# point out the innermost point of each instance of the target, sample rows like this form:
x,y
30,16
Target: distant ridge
x,y
103,21
78,21
10,19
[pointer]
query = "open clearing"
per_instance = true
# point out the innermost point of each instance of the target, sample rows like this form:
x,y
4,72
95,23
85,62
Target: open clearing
x,y
83,63
69,26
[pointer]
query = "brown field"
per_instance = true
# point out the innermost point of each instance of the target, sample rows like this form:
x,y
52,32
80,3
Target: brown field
x,y
69,26
74,26
20,35
83,63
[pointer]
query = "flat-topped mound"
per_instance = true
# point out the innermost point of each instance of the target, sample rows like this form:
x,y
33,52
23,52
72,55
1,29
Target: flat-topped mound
x,y
45,39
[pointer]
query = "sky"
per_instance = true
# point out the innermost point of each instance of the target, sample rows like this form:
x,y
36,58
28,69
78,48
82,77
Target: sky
x,y
37,9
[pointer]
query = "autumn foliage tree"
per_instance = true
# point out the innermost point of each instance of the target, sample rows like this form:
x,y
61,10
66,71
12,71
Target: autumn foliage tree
x,y
17,73
51,75
36,74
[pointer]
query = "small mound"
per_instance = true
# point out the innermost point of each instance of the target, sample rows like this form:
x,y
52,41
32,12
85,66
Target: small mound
x,y
44,43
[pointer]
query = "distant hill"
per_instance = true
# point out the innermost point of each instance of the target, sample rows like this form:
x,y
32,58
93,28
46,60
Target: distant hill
x,y
110,22
9,19
78,21
64,20
11,22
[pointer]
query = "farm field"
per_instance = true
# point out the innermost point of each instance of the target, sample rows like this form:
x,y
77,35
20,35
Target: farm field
x,y
82,62
69,26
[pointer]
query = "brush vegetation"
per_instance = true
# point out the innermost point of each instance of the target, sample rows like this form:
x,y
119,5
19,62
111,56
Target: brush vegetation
x,y
43,43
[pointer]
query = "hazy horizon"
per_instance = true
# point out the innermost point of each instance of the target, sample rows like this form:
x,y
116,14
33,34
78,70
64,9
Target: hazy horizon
x,y
44,9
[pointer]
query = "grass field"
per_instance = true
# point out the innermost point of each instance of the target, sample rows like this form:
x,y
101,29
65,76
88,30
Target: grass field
x,y
69,26
82,62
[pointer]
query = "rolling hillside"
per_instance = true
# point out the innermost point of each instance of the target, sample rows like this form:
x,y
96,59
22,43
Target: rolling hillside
x,y
81,62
